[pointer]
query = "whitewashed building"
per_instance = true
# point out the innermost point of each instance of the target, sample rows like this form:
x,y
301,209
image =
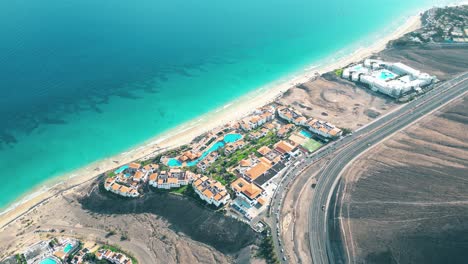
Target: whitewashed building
x,y
393,79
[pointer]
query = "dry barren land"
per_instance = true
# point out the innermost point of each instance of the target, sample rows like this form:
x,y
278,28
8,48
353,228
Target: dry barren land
x,y
347,105
406,200
158,228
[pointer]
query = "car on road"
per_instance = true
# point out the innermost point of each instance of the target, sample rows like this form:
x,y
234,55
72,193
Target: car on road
x,y
323,207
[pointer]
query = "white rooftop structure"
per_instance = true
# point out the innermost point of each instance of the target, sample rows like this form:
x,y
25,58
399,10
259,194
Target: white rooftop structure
x,y
393,79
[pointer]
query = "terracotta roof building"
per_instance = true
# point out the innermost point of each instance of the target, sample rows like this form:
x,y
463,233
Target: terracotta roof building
x,y
211,191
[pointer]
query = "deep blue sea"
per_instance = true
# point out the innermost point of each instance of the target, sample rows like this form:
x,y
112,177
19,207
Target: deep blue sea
x,y
83,80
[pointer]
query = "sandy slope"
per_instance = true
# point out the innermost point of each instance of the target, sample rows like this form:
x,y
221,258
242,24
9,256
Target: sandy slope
x,y
406,200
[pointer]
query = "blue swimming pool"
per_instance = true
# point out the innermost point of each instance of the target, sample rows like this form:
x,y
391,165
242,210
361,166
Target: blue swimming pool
x,y
358,67
385,75
173,163
242,203
306,133
229,138
121,169
48,261
67,248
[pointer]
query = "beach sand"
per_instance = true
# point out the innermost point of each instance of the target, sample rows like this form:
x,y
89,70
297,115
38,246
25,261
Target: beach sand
x,y
185,133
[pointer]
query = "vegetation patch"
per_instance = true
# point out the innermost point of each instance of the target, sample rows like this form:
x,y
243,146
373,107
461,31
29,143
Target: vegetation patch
x,y
339,72
267,249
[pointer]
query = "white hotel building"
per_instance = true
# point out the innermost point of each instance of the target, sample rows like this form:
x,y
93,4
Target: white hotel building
x,y
393,79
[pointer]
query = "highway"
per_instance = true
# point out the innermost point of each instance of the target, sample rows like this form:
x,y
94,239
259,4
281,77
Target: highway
x,y
361,141
341,152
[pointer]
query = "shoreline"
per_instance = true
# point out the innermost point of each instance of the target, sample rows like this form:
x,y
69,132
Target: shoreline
x,y
184,133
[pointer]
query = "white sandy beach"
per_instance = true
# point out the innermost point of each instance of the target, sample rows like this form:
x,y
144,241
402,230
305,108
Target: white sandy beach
x,y
183,134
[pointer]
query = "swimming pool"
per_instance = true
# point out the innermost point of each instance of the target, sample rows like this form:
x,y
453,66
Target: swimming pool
x,y
67,248
172,162
229,138
121,169
306,133
48,261
358,67
385,75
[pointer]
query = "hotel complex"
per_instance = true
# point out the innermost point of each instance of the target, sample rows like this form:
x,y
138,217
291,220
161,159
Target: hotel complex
x,y
319,127
392,79
235,164
173,178
60,250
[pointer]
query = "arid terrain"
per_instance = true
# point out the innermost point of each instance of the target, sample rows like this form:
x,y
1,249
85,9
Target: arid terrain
x,y
348,105
443,61
159,228
338,101
406,200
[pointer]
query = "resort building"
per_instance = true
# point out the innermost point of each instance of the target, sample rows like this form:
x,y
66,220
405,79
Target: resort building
x,y
139,176
113,257
174,178
56,250
211,191
270,126
149,168
208,160
259,117
284,130
270,155
133,167
392,79
263,150
250,191
257,134
291,115
189,155
245,164
257,170
285,147
232,147
323,128
113,186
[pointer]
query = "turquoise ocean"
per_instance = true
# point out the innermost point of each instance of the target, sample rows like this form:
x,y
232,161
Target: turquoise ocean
x,y
84,80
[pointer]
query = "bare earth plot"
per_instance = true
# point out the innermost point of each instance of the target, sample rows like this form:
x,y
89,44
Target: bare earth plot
x,y
406,200
442,61
337,101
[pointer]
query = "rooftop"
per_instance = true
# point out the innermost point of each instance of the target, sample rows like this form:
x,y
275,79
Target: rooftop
x,y
251,190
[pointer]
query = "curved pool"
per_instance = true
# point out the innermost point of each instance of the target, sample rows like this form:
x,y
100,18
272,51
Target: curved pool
x,y
229,138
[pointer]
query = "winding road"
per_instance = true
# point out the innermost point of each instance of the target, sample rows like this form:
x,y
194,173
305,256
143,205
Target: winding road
x,y
352,146
340,153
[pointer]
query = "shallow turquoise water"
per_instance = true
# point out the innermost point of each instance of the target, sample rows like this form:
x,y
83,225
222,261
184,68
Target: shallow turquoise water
x,y
84,80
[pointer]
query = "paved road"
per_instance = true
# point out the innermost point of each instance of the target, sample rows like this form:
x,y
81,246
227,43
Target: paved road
x,y
341,152
360,141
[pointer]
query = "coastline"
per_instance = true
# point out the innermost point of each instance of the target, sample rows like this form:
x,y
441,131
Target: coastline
x,y
184,133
